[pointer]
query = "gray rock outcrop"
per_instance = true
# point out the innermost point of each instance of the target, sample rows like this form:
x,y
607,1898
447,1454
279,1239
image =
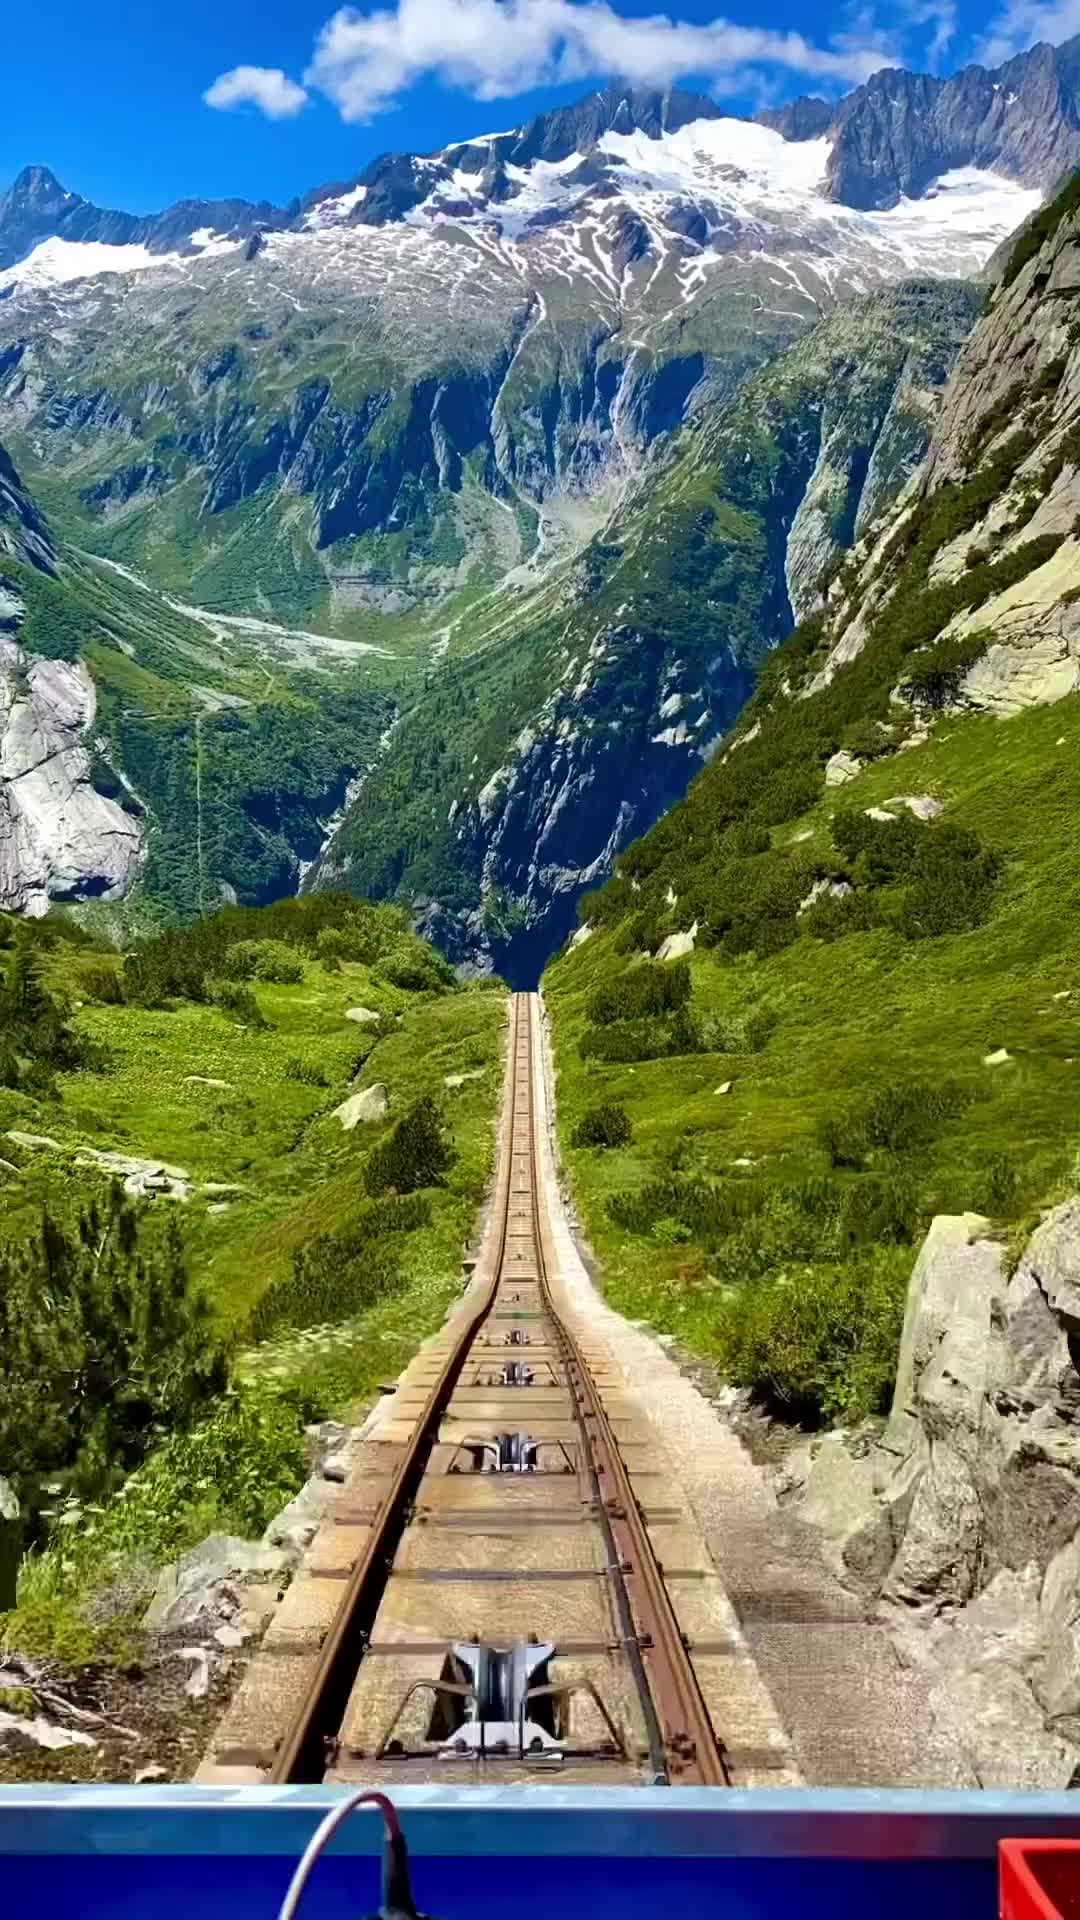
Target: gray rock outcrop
x,y
59,837
360,1109
960,1519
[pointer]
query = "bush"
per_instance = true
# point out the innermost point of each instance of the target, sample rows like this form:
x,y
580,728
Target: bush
x,y
640,992
241,1005
277,964
35,1038
103,986
819,1344
103,1337
341,1273
269,960
604,1126
416,968
417,1153
935,678
306,1072
893,1118
642,1039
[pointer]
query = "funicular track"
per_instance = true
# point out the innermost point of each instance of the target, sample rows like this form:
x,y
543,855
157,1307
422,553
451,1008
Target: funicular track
x,y
510,1585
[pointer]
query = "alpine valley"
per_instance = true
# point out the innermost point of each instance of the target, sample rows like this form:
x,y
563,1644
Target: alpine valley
x,y
425,537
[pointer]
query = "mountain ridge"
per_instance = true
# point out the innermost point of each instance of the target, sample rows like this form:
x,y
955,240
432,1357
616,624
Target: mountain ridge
x,y
891,138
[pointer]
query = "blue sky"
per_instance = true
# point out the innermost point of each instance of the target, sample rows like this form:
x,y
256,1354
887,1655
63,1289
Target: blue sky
x,y
111,94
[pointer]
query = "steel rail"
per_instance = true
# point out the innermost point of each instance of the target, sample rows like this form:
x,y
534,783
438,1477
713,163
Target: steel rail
x,y
301,1758
683,1746
693,1755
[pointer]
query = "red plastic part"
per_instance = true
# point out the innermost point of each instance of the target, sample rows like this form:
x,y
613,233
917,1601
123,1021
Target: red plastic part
x,y
1039,1879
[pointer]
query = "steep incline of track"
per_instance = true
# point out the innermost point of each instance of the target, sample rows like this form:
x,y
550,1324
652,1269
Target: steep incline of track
x,y
512,1584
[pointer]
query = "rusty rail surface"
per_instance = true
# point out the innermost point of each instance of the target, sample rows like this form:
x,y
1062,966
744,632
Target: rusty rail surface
x,y
301,1753
680,1744
693,1754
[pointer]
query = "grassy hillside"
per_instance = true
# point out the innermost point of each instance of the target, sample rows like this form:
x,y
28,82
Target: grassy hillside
x,y
320,1257
859,1101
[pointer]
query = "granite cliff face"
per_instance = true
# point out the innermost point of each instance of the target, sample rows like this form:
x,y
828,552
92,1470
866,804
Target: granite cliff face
x,y
1000,483
59,838
962,1517
901,130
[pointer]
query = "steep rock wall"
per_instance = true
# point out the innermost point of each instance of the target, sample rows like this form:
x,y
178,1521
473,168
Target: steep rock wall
x,y
59,838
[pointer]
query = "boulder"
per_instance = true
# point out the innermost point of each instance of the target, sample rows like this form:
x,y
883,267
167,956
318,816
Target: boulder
x,y
192,1588
997,1058
360,1109
34,1142
1056,1675
984,1696
197,1684
824,890
455,1080
841,768
954,1281
11,1533
294,1528
838,1496
362,1016
678,945
59,837
143,1179
1030,1352
39,1732
1052,1257
937,1561
922,805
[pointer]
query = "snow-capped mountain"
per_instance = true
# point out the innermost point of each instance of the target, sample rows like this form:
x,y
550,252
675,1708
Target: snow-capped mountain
x,y
387,413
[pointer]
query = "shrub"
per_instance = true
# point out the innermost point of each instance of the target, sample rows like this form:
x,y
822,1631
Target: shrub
x,y
604,1126
269,960
306,1072
240,1004
417,1153
821,1343
103,986
341,1273
102,1337
642,1039
416,968
641,991
36,1038
892,1118
834,915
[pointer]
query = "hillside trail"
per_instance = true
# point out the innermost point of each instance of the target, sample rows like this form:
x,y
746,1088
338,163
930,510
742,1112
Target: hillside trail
x,y
854,1715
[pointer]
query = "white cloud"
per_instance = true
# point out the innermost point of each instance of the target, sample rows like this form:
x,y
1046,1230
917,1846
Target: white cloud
x,y
1022,23
363,62
264,87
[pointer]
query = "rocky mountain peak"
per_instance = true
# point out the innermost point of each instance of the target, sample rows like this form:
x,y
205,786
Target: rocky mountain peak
x,y
37,190
900,131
